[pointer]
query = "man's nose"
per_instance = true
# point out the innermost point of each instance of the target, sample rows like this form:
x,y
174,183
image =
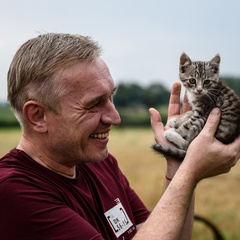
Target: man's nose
x,y
111,116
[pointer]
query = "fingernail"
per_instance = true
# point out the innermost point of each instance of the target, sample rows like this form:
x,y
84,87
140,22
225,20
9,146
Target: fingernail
x,y
215,111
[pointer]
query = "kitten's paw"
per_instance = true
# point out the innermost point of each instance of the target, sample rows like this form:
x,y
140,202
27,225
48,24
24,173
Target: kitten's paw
x,y
172,122
172,136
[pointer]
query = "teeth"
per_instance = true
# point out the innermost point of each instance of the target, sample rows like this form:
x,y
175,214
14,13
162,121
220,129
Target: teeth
x,y
99,135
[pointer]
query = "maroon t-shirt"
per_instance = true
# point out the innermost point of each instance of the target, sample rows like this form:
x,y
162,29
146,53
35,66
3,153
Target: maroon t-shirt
x,y
37,203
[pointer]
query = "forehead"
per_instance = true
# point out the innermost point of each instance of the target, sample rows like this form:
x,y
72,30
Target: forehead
x,y
88,77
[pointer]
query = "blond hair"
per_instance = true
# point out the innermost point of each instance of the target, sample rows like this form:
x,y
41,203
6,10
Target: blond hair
x,y
33,72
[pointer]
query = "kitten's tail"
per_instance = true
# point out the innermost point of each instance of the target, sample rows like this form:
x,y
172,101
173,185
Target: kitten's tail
x,y
170,151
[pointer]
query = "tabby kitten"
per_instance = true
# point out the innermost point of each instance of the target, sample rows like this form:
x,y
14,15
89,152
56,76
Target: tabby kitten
x,y
205,91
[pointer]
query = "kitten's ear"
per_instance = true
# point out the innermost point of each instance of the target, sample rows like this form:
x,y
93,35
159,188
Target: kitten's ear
x,y
216,59
215,62
185,61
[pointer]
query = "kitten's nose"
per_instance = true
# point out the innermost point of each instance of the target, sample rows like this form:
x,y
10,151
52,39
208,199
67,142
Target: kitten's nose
x,y
199,90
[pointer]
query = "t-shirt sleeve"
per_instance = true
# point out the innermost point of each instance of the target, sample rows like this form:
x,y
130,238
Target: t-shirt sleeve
x,y
38,215
139,210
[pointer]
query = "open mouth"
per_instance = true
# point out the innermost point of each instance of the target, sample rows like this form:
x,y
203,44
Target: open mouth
x,y
99,135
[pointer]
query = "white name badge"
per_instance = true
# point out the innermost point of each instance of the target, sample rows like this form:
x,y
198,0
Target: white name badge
x,y
118,219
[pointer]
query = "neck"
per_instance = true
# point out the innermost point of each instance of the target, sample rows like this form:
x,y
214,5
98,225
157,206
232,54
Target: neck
x,y
35,152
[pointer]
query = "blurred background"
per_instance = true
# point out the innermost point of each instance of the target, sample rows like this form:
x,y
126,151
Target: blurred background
x,y
142,42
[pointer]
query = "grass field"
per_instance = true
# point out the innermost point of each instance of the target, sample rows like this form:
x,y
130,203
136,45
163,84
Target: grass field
x,y
217,199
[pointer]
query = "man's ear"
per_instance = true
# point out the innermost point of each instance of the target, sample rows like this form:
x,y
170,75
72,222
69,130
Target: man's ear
x,y
34,114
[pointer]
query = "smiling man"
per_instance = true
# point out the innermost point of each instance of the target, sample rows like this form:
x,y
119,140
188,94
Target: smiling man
x,y
61,182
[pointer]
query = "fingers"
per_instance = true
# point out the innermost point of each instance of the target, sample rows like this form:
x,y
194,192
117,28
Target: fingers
x,y
174,102
154,116
237,147
156,121
185,106
157,125
212,123
234,148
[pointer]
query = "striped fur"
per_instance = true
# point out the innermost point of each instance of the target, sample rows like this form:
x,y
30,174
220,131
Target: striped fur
x,y
205,91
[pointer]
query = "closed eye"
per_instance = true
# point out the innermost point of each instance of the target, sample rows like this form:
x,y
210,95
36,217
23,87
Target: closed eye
x,y
111,98
96,104
113,93
99,102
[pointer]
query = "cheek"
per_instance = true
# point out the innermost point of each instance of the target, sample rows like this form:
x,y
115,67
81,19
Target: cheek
x,y
77,131
205,91
76,127
60,131
188,87
88,122
58,134
190,90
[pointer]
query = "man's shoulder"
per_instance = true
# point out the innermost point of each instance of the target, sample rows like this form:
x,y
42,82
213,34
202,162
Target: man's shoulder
x,y
6,166
18,168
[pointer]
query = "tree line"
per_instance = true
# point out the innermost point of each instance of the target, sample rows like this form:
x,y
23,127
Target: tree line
x,y
156,94
135,95
132,100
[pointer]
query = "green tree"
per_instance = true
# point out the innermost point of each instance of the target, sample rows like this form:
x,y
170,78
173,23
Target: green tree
x,y
155,95
232,82
129,95
134,95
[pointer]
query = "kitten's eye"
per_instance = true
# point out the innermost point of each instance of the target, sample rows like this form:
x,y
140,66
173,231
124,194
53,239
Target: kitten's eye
x,y
206,82
192,80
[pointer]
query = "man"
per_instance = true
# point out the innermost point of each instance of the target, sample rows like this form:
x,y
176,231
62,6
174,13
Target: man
x,y
61,182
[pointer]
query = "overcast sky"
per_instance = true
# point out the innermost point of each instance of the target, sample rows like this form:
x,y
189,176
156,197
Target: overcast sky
x,y
142,39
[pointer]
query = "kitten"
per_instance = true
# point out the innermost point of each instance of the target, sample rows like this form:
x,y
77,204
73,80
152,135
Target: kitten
x,y
205,91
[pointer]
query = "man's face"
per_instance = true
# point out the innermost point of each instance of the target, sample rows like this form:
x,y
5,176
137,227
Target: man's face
x,y
80,132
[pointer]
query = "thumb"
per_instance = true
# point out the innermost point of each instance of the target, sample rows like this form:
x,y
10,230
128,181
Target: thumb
x,y
156,123
212,122
154,116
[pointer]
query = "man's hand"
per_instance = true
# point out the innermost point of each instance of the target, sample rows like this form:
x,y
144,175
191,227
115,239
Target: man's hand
x,y
158,128
209,157
174,110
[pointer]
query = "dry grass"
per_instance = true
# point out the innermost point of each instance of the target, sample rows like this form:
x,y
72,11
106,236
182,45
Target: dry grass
x,y
217,198
9,139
